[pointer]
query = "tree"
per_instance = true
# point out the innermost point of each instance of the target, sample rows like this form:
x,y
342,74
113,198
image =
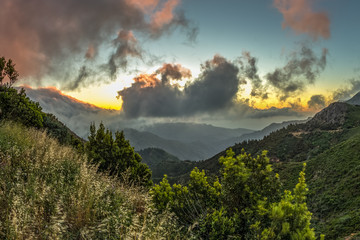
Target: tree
x,y
116,155
7,69
16,106
290,217
245,203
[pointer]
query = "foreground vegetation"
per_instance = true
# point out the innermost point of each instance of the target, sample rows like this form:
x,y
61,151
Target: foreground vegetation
x,y
50,191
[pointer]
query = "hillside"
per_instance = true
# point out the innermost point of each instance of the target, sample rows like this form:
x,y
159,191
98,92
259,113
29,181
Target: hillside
x,y
184,151
15,105
334,191
192,132
330,145
161,162
50,191
300,142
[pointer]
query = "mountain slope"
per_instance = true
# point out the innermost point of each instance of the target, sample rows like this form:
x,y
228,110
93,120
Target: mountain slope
x,y
192,132
300,142
333,178
184,151
50,191
160,161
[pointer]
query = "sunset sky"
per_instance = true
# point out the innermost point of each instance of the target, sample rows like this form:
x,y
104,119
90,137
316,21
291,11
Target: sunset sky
x,y
230,63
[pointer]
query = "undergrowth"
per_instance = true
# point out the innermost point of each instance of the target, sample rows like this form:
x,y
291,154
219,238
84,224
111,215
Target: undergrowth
x,y
49,191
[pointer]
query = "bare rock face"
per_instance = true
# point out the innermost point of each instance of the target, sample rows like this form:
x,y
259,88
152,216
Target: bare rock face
x,y
333,115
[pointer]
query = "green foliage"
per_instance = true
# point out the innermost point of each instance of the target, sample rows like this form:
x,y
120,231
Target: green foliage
x,y
116,156
50,191
290,218
15,106
7,69
244,204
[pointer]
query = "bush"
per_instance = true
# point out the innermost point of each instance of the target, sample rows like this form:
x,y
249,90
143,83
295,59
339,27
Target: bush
x,y
116,156
15,106
244,204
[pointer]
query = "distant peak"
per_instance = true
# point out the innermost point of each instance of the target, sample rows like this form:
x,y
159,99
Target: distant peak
x,y
333,114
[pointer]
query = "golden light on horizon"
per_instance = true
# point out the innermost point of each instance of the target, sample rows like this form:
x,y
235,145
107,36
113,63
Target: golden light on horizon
x,y
104,96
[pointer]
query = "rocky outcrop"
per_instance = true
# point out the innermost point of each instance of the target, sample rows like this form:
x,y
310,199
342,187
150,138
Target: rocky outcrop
x,y
334,115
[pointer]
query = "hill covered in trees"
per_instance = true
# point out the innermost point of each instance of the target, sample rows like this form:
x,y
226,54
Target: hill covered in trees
x,y
329,144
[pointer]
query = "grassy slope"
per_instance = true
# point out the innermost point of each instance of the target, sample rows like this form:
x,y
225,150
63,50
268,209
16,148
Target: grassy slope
x,y
49,191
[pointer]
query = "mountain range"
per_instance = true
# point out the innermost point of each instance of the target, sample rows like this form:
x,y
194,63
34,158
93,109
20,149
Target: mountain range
x,y
190,141
186,141
329,144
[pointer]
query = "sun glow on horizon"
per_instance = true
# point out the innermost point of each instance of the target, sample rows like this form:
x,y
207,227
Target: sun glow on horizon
x,y
104,96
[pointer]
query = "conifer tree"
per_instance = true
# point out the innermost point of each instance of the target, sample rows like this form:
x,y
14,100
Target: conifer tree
x,y
116,155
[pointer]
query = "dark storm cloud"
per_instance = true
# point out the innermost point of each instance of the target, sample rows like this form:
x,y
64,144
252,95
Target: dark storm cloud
x,y
84,73
126,46
317,102
214,89
303,67
345,93
51,37
250,70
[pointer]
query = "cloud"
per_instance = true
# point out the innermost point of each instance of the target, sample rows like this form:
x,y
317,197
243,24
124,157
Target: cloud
x,y
126,46
250,71
317,102
299,16
173,72
346,92
273,112
303,67
45,37
154,96
77,115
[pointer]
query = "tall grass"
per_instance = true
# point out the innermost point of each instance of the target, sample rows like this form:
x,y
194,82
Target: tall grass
x,y
49,191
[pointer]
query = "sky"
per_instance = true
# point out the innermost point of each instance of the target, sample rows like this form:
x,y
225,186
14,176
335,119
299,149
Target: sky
x,y
229,63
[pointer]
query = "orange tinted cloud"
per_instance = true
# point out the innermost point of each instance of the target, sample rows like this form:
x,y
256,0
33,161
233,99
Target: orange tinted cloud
x,y
145,5
147,80
44,37
165,14
299,16
160,12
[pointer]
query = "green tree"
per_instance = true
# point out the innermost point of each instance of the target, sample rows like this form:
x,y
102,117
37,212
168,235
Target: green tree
x,y
7,69
290,217
242,204
116,155
15,106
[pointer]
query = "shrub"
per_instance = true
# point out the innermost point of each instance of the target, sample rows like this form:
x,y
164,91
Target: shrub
x,y
116,156
244,204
